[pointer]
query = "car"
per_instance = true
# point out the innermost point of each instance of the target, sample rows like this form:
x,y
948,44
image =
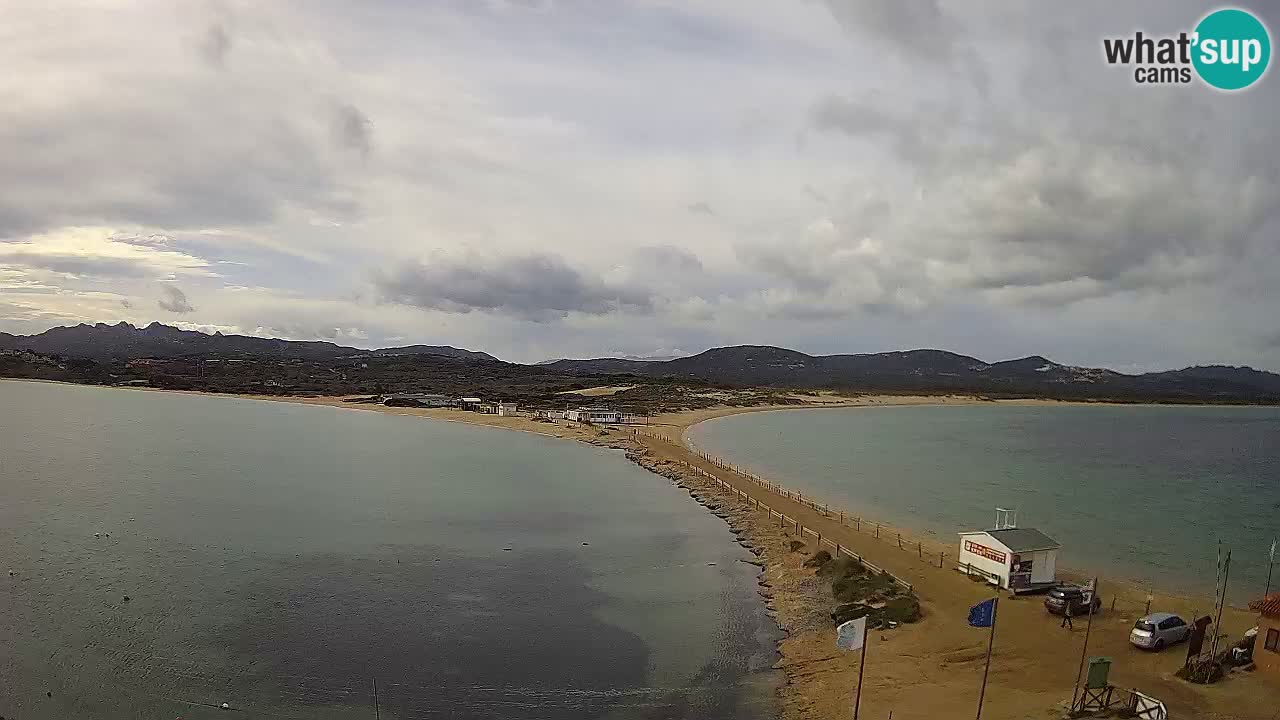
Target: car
x,y
1159,630
1077,598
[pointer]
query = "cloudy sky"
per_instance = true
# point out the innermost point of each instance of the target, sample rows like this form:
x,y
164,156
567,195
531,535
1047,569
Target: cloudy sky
x,y
551,178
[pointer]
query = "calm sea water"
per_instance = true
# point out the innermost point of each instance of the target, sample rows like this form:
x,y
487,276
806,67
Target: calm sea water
x,y
1142,493
285,559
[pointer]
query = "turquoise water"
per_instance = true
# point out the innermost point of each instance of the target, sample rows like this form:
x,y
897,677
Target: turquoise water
x,y
286,559
1140,493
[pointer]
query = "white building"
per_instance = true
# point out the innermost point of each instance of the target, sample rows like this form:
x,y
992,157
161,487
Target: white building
x,y
594,415
506,409
1013,558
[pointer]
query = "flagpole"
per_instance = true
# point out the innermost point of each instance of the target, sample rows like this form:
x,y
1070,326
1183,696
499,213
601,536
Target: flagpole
x,y
862,663
991,641
1271,565
1085,650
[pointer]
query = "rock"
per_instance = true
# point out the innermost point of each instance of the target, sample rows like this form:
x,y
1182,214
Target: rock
x,y
126,598
225,706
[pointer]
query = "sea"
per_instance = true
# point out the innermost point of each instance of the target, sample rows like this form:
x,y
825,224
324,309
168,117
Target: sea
x,y
162,554
1154,495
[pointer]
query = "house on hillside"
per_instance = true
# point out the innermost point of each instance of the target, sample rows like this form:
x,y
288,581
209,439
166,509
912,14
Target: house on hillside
x,y
1266,647
1012,558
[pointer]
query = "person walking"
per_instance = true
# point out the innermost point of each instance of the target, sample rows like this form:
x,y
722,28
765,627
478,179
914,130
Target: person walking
x,y
1066,617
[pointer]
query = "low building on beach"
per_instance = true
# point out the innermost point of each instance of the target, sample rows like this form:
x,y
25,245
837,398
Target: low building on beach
x,y
1266,647
507,409
469,403
1013,558
595,415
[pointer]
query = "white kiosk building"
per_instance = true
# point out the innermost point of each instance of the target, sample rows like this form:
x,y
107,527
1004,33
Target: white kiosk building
x,y
1016,559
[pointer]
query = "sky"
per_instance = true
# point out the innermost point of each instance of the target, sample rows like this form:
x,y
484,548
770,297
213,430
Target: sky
x,y
578,178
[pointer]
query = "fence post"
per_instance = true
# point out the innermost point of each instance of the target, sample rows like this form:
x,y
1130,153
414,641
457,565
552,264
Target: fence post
x,y
899,541
877,531
920,547
941,559
857,524
841,517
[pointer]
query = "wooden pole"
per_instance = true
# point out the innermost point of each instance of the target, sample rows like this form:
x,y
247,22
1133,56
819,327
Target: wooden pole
x,y
991,641
1271,564
1085,650
377,711
862,663
1217,624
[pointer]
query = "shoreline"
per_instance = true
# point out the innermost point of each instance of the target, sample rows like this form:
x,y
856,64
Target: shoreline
x,y
1034,664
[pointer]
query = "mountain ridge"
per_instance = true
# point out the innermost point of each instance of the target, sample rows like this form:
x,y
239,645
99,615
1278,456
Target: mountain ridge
x,y
923,370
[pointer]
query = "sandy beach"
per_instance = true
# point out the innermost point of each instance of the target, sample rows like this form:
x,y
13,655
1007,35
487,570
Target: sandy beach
x,y
929,669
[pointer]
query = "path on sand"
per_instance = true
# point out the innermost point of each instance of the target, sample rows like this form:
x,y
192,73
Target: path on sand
x,y
933,669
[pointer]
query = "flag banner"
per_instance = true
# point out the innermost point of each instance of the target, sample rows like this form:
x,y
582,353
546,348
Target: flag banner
x,y
983,614
850,635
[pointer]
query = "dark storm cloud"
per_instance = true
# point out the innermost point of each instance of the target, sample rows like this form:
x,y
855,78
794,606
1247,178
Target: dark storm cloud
x,y
173,300
533,287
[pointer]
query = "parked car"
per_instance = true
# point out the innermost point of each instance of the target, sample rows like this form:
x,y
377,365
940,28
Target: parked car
x,y
1078,599
1158,630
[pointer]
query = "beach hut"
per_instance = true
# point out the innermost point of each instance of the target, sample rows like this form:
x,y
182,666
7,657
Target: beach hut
x,y
507,409
1266,647
1016,559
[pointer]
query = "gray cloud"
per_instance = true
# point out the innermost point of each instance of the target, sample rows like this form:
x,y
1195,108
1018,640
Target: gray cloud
x,y
173,300
352,129
534,287
701,208
84,265
215,45
918,29
667,258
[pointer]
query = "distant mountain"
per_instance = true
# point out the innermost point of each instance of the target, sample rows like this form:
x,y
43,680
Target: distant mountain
x,y
942,371
928,371
445,350
124,341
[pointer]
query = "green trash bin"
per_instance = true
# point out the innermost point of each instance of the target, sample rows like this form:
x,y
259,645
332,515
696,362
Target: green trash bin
x,y
1099,668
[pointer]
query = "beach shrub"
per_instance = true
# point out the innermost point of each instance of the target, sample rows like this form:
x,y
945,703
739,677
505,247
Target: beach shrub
x,y
797,545
903,609
818,559
841,567
849,611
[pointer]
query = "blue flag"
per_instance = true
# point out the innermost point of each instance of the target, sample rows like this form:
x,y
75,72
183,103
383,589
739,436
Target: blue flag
x,y
983,614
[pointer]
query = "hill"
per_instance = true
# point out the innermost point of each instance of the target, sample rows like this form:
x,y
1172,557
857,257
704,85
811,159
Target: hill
x,y
240,359
124,341
942,371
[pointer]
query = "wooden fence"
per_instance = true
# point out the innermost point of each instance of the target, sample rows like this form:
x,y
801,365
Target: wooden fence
x,y
804,533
